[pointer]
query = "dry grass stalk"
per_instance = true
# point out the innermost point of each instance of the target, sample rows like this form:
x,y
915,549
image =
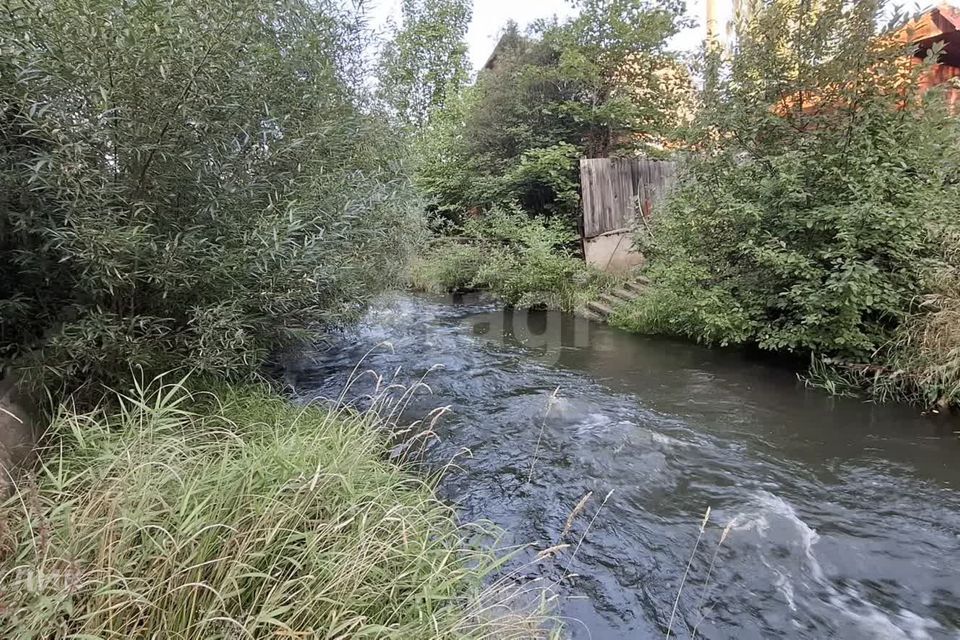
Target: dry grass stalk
x,y
577,510
706,581
552,552
543,425
566,573
686,572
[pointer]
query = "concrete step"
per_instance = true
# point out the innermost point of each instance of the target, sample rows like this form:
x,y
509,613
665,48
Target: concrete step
x,y
610,300
599,308
593,317
626,295
636,288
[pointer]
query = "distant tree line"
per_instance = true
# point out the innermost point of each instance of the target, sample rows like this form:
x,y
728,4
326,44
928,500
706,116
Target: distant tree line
x,y
597,84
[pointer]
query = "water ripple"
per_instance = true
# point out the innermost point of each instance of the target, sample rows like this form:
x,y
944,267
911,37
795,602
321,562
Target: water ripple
x,y
844,517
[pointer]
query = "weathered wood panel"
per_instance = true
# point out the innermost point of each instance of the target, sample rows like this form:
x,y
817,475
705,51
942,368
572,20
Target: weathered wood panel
x,y
617,190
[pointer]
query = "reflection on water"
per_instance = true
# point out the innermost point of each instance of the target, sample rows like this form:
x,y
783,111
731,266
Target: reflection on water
x,y
844,517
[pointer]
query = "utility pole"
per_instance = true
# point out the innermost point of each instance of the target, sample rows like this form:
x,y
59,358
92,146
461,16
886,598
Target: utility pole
x,y
712,30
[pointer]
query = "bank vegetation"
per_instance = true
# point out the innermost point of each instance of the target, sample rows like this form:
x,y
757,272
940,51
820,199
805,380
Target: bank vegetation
x,y
232,513
815,213
816,216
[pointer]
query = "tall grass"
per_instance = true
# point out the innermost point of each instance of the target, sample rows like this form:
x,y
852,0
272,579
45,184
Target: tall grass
x,y
927,352
235,514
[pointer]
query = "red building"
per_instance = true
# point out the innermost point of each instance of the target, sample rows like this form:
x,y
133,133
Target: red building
x,y
937,25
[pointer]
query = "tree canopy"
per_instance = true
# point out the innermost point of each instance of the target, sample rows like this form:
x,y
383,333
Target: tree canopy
x,y
599,83
425,61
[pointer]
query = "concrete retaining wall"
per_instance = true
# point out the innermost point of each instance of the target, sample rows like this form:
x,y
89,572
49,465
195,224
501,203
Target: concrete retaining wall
x,y
612,252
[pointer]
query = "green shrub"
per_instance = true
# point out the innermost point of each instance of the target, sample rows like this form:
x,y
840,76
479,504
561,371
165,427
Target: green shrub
x,y
240,515
449,266
545,180
921,364
677,304
526,262
186,183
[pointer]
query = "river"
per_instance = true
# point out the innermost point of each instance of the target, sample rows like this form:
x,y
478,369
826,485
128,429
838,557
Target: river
x,y
842,518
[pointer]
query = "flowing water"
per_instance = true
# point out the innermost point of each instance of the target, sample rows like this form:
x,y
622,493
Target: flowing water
x,y
844,517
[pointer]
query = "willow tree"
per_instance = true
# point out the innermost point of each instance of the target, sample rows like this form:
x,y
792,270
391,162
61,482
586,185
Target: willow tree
x,y
185,183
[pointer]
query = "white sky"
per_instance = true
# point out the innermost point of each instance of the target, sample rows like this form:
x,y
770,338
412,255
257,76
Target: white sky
x,y
490,16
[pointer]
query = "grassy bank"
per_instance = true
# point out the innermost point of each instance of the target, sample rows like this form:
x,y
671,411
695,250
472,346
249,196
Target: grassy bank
x,y
919,363
523,261
238,515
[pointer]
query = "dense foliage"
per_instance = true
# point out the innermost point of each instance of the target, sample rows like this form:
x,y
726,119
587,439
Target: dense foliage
x,y
426,59
594,85
524,261
812,214
186,183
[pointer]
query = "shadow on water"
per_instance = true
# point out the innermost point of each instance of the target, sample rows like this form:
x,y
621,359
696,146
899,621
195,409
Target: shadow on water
x,y
843,517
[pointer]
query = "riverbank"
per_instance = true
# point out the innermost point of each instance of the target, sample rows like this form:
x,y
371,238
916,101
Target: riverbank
x,y
524,262
231,513
919,364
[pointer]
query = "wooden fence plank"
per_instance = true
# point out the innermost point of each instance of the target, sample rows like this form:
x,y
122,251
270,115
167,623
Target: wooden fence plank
x,y
617,190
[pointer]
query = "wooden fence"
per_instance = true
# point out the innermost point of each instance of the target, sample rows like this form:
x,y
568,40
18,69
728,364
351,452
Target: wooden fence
x,y
616,190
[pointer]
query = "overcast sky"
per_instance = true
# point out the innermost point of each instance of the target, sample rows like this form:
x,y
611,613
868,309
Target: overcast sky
x,y
489,17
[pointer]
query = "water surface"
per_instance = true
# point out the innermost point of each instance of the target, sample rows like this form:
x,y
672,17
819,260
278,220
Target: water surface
x,y
845,515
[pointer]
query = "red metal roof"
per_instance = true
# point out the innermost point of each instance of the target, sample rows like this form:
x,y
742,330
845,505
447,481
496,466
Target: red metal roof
x,y
941,24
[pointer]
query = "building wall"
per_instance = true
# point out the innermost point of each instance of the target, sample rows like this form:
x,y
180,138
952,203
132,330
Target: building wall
x,y
938,75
